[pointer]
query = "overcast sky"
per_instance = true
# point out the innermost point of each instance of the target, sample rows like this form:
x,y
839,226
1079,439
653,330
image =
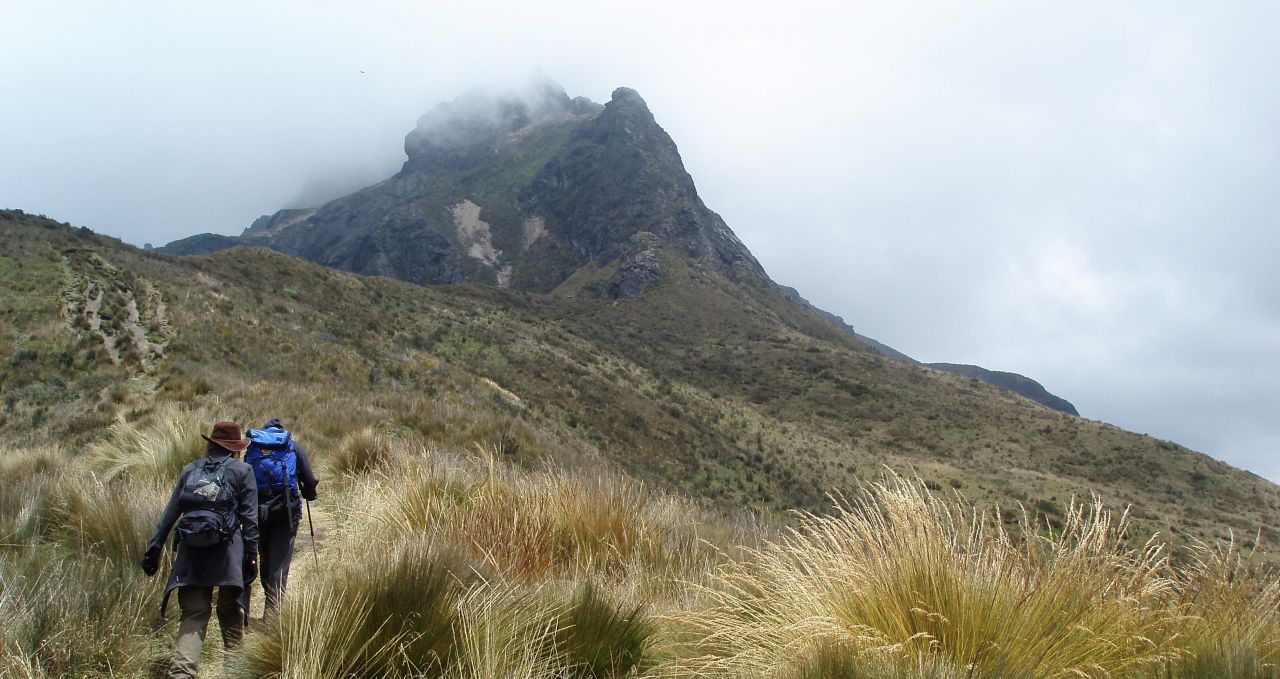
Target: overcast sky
x,y
1087,193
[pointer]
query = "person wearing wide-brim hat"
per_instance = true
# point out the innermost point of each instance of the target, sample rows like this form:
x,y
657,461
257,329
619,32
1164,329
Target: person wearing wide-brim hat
x,y
215,507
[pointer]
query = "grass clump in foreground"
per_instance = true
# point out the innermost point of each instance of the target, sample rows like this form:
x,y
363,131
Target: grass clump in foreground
x,y
459,564
901,582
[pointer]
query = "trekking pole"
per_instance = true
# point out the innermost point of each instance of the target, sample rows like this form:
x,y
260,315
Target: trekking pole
x,y
312,527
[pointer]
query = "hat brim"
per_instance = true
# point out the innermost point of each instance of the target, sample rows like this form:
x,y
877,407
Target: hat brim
x,y
233,445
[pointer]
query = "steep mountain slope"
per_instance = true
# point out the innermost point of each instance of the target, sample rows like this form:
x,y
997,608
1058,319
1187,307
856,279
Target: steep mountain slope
x,y
704,384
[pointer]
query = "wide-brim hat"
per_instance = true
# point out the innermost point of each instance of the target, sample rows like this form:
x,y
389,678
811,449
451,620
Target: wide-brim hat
x,y
227,435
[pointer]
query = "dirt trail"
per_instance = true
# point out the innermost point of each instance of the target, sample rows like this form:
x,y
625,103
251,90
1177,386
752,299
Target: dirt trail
x,y
111,311
307,562
93,315
321,521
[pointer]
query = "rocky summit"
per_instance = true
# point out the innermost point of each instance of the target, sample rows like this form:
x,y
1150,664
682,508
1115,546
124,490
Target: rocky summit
x,y
519,189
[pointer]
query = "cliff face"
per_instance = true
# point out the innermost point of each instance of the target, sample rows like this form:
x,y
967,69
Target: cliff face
x,y
621,176
517,190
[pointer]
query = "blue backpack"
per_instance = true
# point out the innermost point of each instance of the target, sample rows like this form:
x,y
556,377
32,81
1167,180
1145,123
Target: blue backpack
x,y
274,462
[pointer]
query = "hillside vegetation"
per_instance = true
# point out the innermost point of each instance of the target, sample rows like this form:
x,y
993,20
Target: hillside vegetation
x,y
701,386
442,562
553,485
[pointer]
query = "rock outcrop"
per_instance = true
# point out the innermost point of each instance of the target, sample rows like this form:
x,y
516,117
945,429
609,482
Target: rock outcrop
x,y
639,271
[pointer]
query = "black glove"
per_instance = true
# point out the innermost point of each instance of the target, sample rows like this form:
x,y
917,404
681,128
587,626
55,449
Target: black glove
x,y
250,569
151,561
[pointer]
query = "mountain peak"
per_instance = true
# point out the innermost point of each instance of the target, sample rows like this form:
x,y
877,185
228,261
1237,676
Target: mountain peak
x,y
520,188
626,95
622,177
630,111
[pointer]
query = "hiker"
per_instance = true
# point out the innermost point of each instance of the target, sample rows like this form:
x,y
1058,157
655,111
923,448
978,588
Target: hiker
x,y
214,511
283,474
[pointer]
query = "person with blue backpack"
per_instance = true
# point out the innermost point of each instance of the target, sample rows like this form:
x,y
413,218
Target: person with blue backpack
x,y
213,513
284,481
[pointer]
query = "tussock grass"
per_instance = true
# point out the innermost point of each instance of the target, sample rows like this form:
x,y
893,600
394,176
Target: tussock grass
x,y
19,466
901,576
601,637
110,520
71,616
505,633
154,449
838,662
312,637
532,525
20,666
420,610
361,452
1232,624
464,563
27,477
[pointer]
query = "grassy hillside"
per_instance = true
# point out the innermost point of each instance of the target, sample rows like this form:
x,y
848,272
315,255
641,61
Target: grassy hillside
x,y
556,486
724,392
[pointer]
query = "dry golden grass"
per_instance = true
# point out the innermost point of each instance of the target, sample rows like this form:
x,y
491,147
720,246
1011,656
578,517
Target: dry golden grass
x,y
533,525
154,449
460,562
900,575
1231,625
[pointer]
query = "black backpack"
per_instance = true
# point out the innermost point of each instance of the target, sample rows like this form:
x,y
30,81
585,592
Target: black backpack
x,y
208,506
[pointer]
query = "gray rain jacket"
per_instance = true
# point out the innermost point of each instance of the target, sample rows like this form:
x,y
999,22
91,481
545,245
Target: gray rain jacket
x,y
221,565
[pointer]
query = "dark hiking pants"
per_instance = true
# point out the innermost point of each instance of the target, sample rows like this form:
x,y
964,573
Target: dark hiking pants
x,y
197,605
275,553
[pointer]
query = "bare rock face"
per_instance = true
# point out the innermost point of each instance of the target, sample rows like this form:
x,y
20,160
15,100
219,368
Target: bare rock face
x,y
641,270
622,174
